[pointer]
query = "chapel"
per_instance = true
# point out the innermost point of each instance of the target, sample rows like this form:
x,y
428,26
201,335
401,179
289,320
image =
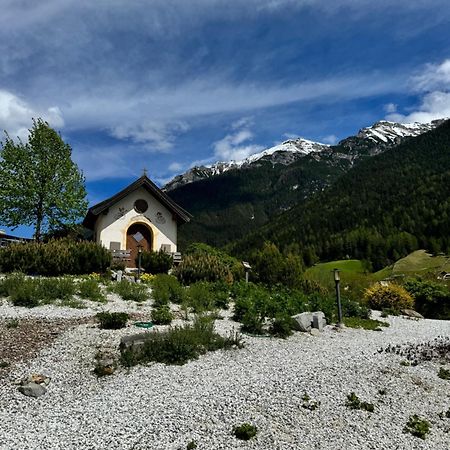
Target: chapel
x,y
141,216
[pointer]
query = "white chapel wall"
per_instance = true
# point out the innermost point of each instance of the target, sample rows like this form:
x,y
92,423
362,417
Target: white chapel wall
x,y
112,226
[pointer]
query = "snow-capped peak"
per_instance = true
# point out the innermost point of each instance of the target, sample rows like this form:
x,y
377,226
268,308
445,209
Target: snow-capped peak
x,y
389,132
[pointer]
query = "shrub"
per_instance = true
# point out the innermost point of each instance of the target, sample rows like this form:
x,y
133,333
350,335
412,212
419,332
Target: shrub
x,y
112,320
51,289
271,267
245,431
13,323
180,344
25,294
353,402
444,373
432,299
417,427
391,296
156,262
10,283
281,326
130,291
234,265
162,315
200,297
199,267
147,278
91,290
165,289
221,294
366,324
55,258
252,322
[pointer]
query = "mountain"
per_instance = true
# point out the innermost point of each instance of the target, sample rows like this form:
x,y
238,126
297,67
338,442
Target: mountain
x,y
382,209
229,200
374,139
284,153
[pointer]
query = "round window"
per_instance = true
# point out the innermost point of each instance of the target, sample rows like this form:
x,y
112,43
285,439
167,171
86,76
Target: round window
x,y
140,206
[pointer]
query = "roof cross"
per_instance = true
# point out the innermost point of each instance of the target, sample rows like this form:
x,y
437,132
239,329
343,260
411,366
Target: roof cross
x,y
144,172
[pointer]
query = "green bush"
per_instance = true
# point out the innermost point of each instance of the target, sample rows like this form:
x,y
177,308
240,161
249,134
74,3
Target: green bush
x,y
271,267
31,292
90,289
200,297
10,283
156,262
366,324
51,289
281,326
431,299
130,291
200,267
162,315
245,431
25,294
234,265
393,296
353,402
165,289
180,344
55,258
112,320
417,427
221,294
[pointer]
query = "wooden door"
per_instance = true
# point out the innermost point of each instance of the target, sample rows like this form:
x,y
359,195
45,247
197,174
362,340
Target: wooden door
x,y
138,235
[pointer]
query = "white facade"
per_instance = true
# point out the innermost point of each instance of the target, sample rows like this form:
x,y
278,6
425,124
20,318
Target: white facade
x,y
112,224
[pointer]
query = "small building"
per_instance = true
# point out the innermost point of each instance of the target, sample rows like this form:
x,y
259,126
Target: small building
x,y
139,216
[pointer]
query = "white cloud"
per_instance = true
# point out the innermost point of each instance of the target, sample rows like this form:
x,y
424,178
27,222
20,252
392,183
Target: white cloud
x,y
433,84
237,145
390,108
16,115
434,77
175,167
330,139
154,135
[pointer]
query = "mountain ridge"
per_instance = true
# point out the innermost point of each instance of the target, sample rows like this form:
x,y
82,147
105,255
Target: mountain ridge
x,y
382,133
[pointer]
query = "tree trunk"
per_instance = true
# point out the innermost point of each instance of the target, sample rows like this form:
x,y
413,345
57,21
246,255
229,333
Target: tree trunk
x,y
39,217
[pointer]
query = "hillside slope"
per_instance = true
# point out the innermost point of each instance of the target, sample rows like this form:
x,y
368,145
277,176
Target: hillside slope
x,y
384,208
231,200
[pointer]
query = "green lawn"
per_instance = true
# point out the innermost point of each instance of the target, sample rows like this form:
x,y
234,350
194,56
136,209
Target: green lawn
x,y
345,265
420,262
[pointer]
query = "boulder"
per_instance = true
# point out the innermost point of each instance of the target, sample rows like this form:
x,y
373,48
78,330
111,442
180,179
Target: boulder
x,y
412,313
319,320
32,389
302,321
105,366
134,342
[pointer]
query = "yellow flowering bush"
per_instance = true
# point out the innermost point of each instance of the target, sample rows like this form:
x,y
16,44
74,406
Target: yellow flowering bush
x,y
94,276
147,277
391,296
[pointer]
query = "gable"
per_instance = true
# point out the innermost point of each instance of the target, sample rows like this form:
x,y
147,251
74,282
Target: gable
x,y
143,184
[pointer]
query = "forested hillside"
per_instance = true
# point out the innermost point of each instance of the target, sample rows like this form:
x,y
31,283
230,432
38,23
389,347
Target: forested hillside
x,y
385,207
237,202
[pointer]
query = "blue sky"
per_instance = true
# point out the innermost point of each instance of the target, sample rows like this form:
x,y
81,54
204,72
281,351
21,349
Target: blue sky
x,y
166,84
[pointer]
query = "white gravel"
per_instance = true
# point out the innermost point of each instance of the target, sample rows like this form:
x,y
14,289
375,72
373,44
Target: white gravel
x,y
165,407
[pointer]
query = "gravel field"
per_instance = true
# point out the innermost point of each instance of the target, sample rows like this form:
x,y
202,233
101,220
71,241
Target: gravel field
x,y
165,407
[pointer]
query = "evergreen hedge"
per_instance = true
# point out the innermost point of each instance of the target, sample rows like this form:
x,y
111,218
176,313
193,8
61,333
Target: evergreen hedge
x,y
54,258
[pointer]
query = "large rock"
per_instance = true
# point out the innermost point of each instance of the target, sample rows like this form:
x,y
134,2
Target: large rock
x,y
32,389
319,320
411,313
302,321
134,342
